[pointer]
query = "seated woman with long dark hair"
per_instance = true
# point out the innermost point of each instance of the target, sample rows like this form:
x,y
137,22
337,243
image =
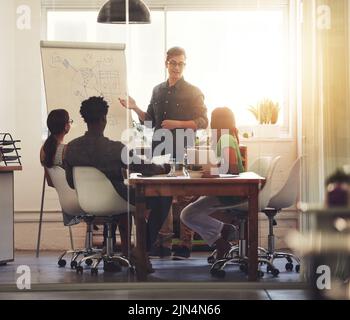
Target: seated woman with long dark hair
x,y
52,152
197,214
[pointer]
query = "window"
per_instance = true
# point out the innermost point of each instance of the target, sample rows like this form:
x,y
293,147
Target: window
x,y
237,57
144,58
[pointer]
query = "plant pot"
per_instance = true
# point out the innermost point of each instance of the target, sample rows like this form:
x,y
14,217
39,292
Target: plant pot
x,y
266,131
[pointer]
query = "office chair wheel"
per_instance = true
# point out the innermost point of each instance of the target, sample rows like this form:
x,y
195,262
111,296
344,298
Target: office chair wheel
x,y
243,267
275,272
111,266
297,268
88,262
289,266
218,273
260,274
73,264
211,259
79,269
62,263
94,271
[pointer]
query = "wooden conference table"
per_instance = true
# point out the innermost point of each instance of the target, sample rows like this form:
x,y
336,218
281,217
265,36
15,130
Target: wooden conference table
x,y
246,184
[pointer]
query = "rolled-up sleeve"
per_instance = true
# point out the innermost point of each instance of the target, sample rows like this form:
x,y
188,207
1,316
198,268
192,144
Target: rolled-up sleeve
x,y
200,117
150,117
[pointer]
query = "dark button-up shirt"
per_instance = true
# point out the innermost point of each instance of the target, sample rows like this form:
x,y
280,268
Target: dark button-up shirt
x,y
183,102
105,155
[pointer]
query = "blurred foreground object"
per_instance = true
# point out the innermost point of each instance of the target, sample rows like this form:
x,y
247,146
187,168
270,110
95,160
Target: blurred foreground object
x,y
326,244
338,189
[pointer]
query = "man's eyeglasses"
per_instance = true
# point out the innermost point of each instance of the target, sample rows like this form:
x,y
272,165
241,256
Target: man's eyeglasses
x,y
70,121
174,64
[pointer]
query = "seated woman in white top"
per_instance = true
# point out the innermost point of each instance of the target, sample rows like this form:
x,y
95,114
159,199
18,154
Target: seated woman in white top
x,y
197,214
52,152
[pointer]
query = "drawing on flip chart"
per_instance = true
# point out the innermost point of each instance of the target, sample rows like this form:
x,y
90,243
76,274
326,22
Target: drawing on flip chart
x,y
94,77
74,72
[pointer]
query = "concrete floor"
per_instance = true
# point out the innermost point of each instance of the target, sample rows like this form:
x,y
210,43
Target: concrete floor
x,y
187,280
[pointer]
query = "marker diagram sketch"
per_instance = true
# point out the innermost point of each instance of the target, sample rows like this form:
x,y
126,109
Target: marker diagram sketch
x,y
72,75
91,78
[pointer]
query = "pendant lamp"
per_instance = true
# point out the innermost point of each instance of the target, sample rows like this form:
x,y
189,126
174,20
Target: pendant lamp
x,y
113,11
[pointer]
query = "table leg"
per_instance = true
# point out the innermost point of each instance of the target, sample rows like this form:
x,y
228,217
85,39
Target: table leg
x,y
253,234
140,223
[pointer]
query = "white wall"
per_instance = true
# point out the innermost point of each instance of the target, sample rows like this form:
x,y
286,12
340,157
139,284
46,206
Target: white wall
x,y
7,99
20,97
27,88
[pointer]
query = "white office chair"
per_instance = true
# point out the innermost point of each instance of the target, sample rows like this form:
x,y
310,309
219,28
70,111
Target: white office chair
x,y
70,205
97,196
261,166
237,254
283,198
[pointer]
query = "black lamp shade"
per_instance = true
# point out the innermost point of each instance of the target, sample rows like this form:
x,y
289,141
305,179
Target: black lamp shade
x,y
113,11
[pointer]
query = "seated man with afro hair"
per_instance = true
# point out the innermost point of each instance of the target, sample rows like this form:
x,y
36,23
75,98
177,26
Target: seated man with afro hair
x,y
95,150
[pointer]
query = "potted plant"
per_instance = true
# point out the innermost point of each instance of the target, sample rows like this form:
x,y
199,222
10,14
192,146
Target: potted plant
x,y
266,113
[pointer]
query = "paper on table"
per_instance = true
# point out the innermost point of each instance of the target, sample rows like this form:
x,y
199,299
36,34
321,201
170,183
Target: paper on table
x,y
135,175
228,175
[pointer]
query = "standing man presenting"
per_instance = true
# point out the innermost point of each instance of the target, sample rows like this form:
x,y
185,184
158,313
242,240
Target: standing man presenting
x,y
175,104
